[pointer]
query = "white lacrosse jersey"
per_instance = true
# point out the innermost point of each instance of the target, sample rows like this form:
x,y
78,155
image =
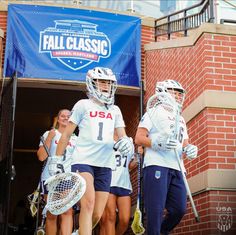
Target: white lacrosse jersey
x,y
96,130
69,150
120,176
165,124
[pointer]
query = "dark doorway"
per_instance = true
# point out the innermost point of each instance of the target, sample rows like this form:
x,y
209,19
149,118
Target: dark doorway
x,y
35,111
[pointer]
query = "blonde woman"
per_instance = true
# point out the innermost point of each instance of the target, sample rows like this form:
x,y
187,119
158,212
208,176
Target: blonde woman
x,y
51,138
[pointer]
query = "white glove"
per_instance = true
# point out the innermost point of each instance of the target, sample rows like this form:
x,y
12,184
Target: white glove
x,y
58,164
125,146
191,151
163,144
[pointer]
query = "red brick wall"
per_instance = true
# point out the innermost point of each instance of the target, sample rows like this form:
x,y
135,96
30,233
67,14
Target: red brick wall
x,y
214,132
210,205
210,64
147,36
3,21
3,25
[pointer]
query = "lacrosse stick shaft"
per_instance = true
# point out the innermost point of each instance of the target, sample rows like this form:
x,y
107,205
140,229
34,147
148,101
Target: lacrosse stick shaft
x,y
41,230
38,202
181,168
137,226
139,178
35,200
187,188
45,146
43,220
141,107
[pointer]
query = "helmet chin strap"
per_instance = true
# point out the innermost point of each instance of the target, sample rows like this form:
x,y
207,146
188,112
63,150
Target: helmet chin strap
x,y
94,99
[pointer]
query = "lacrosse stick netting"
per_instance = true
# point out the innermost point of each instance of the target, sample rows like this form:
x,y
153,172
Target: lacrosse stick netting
x,y
161,111
64,191
164,113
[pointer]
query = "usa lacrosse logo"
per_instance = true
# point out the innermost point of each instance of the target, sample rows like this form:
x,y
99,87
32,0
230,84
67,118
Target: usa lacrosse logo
x,y
74,43
225,218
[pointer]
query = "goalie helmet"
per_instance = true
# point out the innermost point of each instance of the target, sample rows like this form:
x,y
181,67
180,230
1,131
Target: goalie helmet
x,y
101,84
172,87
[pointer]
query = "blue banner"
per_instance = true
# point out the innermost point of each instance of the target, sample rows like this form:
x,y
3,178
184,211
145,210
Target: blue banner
x,y
63,43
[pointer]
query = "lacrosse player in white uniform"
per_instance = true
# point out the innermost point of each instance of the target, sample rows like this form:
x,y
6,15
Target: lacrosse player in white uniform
x,y
163,184
119,197
51,139
96,117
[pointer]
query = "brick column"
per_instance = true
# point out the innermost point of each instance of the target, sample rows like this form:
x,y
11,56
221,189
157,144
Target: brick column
x,y
205,64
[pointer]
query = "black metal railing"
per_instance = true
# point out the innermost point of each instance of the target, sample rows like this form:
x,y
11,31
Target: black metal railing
x,y
186,19
227,21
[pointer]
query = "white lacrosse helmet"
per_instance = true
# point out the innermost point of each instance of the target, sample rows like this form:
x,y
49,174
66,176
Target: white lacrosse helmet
x,y
171,87
101,84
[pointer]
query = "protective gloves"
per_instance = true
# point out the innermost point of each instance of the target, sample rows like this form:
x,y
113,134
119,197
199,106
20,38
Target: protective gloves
x,y
158,143
191,151
125,146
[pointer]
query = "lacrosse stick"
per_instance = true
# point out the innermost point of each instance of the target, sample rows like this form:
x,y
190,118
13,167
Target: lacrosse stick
x,y
41,229
159,107
182,170
45,146
76,209
64,190
137,226
34,199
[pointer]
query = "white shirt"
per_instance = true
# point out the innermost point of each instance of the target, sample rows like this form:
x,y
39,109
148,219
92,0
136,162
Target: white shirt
x,y
96,130
69,150
120,176
163,127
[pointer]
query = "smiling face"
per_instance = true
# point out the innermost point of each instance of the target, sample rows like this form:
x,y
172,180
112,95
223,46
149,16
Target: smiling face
x,y
63,118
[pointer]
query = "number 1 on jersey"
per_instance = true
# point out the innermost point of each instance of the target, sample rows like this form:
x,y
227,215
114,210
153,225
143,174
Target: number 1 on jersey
x,y
100,129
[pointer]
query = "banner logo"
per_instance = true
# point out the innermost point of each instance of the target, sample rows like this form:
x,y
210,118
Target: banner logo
x,y
74,43
225,218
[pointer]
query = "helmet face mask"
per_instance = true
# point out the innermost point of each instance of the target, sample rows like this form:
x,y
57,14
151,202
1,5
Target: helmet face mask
x,y
101,84
173,88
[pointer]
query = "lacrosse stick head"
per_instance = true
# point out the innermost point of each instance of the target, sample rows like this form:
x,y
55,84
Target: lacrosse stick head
x,y
162,110
34,198
64,190
137,226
